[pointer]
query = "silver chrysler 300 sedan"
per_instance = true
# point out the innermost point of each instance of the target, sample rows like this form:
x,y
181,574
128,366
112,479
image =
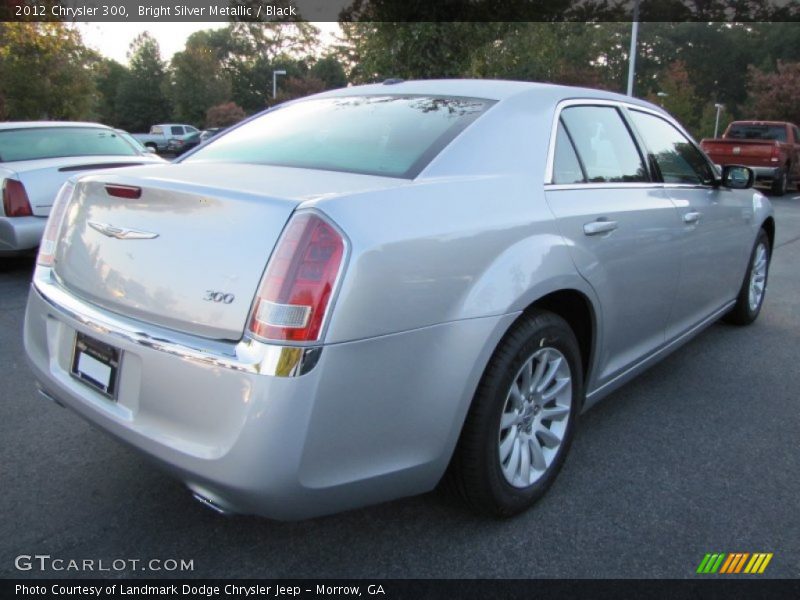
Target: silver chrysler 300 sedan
x,y
343,300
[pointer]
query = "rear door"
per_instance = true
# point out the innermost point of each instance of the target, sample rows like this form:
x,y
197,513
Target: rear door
x,y
621,229
715,236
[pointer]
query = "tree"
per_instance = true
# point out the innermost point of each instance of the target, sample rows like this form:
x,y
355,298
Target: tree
x,y
678,95
199,80
375,51
330,72
299,87
44,72
108,77
142,101
567,53
224,115
772,96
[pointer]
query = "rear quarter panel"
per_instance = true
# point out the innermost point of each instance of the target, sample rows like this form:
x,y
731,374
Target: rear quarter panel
x,y
471,237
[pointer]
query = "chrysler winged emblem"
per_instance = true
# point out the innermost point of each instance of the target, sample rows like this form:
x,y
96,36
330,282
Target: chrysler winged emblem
x,y
121,233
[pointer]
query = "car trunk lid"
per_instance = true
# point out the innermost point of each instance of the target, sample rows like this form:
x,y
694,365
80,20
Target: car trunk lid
x,y
189,253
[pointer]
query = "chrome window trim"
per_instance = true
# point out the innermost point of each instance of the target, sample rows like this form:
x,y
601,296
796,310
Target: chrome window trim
x,y
555,187
620,104
247,355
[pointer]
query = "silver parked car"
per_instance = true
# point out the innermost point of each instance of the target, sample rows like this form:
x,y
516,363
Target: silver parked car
x,y
343,300
37,157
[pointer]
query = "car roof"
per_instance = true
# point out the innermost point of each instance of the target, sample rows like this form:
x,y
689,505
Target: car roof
x,y
490,89
35,124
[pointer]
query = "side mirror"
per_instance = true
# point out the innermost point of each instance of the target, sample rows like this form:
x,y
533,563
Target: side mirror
x,y
737,177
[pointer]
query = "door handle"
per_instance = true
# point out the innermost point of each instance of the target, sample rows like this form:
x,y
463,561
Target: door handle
x,y
692,217
599,226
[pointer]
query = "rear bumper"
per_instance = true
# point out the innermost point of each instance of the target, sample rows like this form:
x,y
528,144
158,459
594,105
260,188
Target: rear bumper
x,y
20,234
766,173
372,420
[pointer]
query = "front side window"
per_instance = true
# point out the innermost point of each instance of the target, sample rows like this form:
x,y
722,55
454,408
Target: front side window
x,y
604,144
56,142
392,136
677,158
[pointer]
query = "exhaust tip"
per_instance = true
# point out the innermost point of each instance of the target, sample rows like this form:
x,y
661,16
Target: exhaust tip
x,y
212,505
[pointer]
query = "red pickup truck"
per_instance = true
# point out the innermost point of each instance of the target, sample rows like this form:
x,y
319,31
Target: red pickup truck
x,y
770,148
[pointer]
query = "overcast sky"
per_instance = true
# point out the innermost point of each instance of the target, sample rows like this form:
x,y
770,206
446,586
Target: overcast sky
x,y
112,39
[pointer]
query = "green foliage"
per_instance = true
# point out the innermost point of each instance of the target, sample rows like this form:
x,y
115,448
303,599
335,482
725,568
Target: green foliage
x,y
567,53
108,76
330,72
199,81
141,97
382,50
678,95
45,72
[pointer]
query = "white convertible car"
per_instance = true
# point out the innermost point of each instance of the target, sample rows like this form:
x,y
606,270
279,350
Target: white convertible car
x,y
37,157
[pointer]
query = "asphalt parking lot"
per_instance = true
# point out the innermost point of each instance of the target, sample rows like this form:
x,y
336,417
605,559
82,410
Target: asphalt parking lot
x,y
700,454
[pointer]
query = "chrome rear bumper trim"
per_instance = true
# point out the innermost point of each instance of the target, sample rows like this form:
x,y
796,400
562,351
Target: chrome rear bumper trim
x,y
247,355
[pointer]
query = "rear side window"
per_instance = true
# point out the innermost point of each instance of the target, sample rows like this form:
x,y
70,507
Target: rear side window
x,y
391,136
156,130
55,142
177,130
677,158
566,166
604,144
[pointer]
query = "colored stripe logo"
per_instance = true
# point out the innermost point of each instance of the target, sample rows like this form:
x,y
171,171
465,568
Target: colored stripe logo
x,y
734,562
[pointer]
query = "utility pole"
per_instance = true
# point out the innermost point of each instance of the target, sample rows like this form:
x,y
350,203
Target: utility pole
x,y
632,54
275,82
719,108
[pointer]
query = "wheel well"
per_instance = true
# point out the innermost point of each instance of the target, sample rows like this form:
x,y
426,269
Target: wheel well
x,y
769,227
575,309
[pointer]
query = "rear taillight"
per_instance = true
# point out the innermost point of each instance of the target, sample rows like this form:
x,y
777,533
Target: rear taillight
x,y
299,282
776,152
47,247
15,199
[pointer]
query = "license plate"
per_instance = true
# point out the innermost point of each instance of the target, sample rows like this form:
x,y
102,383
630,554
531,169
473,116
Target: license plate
x,y
96,364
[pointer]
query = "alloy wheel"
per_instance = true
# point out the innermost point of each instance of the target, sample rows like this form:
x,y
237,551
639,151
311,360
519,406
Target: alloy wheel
x,y
535,416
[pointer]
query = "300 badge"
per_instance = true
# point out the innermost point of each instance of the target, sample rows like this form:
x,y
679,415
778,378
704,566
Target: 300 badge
x,y
215,296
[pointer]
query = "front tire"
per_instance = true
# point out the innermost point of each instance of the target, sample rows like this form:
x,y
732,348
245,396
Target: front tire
x,y
522,419
754,287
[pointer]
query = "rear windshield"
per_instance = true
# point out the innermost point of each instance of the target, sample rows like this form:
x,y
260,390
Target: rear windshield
x,y
392,136
56,142
758,132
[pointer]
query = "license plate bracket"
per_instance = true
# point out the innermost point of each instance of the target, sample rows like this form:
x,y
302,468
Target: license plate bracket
x,y
96,364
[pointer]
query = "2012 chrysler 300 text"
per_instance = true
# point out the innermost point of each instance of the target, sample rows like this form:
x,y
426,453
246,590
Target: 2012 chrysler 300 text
x,y
347,298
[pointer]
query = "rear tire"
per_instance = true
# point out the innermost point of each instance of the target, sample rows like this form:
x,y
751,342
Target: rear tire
x,y
522,420
754,287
